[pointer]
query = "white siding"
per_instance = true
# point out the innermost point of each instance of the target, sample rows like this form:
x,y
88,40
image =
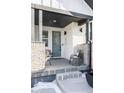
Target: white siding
x,y
55,3
68,41
74,37
46,3
78,37
79,6
36,1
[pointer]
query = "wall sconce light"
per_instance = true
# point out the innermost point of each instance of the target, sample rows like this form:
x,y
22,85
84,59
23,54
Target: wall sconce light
x,y
65,32
54,21
81,30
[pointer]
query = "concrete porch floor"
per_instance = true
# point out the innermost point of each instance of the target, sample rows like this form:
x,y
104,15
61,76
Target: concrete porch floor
x,y
57,62
61,65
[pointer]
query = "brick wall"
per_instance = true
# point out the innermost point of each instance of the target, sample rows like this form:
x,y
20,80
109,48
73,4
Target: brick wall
x,y
37,56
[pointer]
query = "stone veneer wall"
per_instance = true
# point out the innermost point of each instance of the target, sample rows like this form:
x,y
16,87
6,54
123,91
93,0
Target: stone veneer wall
x,y
37,56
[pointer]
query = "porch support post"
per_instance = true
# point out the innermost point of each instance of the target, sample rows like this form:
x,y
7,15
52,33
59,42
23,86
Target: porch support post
x,y
91,62
88,50
87,45
87,31
40,25
32,25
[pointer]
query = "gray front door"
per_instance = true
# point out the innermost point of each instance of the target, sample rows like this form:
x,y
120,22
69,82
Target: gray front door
x,y
56,43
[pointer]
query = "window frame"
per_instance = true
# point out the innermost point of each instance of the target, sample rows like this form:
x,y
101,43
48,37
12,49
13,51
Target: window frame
x,y
45,38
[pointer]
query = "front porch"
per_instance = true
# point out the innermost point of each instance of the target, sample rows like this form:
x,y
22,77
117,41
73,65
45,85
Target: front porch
x,y
61,33
58,66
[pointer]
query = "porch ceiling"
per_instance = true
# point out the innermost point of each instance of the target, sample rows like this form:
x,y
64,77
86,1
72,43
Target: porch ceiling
x,y
56,19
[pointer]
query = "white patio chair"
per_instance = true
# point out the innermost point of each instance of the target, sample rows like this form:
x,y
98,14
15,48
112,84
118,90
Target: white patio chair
x,y
48,56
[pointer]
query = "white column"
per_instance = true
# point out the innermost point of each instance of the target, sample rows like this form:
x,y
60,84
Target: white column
x,y
32,25
40,25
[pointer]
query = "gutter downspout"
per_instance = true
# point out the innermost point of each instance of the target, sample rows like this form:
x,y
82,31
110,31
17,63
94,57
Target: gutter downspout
x,y
89,41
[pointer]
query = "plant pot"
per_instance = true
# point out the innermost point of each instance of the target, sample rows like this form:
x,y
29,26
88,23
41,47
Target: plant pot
x,y
89,78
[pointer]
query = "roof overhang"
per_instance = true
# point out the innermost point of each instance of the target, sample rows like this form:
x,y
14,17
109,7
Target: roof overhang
x,y
61,17
60,11
90,3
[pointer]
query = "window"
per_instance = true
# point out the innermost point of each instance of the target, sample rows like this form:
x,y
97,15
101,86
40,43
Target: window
x,y
45,37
